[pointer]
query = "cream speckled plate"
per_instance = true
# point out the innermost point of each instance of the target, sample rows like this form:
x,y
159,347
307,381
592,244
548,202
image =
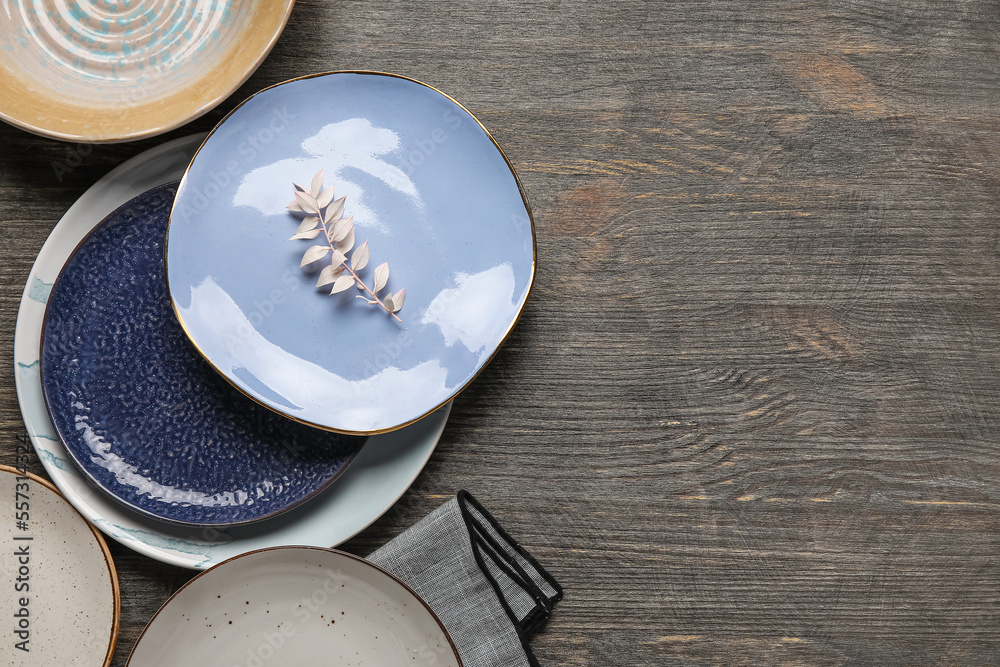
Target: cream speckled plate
x,y
60,597
295,606
115,70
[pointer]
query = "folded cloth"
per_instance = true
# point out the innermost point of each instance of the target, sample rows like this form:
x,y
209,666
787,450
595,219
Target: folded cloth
x,y
487,590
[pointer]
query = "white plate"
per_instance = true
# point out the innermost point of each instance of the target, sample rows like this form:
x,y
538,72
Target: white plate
x,y
294,606
61,596
383,471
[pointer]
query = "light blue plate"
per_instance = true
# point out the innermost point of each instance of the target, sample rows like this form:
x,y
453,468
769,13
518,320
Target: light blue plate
x,y
431,192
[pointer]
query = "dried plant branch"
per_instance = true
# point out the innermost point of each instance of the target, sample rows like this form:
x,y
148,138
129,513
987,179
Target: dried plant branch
x,y
324,215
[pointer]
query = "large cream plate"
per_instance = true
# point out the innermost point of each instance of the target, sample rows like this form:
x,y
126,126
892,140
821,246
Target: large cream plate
x,y
295,606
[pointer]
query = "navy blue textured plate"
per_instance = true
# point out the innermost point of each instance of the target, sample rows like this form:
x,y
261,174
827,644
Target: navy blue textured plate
x,y
141,412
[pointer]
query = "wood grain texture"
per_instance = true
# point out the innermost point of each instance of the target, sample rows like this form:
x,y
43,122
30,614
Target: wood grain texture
x,y
751,415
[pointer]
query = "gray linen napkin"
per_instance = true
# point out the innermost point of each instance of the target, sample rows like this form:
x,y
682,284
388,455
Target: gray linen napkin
x,y
488,591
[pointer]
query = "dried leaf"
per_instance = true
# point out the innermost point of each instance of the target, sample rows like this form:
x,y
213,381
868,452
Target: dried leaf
x,y
313,253
334,210
347,243
381,276
307,202
325,197
328,275
359,259
309,222
343,282
317,184
311,234
340,230
324,214
397,300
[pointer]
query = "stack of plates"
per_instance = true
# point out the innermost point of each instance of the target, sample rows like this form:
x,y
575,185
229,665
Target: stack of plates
x,y
195,395
185,383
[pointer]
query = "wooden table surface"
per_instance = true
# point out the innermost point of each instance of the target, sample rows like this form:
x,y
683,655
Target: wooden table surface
x,y
751,413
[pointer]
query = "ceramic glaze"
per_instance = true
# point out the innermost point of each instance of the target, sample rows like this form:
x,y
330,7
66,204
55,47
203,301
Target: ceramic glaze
x,y
294,606
140,411
115,69
428,189
59,565
380,474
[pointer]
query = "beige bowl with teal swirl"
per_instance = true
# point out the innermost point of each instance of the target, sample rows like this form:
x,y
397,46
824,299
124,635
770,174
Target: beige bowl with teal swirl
x,y
117,70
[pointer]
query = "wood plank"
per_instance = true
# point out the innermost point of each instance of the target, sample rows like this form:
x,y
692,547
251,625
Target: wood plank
x,y
750,413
